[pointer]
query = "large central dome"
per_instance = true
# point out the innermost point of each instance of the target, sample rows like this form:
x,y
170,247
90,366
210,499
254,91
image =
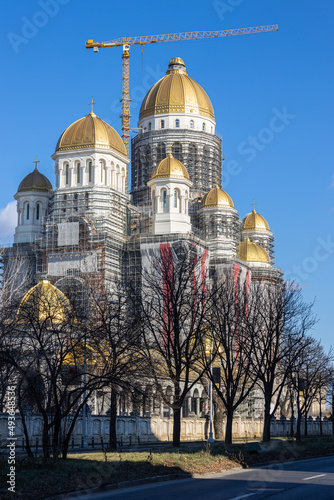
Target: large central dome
x,y
176,93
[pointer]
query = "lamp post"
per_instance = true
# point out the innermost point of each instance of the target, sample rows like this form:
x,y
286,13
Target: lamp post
x,y
211,439
84,413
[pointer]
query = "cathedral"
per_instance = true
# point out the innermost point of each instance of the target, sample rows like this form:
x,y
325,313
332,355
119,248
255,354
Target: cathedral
x,y
88,226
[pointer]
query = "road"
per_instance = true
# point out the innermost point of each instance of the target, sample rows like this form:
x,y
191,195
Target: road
x,y
302,480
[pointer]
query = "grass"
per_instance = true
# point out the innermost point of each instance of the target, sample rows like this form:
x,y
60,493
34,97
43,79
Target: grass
x,y
38,480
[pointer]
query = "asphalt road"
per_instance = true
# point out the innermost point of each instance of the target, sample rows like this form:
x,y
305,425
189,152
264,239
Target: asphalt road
x,y
306,479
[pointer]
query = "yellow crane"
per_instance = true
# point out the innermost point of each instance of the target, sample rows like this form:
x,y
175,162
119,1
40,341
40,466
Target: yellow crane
x,y
125,42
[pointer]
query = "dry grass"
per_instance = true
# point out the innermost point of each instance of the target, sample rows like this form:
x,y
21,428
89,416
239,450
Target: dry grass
x,y
37,480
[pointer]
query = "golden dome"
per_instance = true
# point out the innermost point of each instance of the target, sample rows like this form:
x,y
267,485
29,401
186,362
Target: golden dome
x,y
44,302
170,167
35,181
255,222
253,252
216,197
176,93
90,132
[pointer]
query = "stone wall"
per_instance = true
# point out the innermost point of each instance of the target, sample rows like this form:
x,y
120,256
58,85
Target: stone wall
x,y
138,430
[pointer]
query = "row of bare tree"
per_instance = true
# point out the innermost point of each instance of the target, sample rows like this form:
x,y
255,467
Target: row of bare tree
x,y
172,329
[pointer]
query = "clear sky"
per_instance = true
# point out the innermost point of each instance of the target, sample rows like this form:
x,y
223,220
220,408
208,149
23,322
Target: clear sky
x,y
271,92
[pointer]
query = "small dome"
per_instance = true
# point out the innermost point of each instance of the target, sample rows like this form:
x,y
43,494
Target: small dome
x,y
253,252
170,167
216,197
176,93
255,222
90,132
35,181
44,302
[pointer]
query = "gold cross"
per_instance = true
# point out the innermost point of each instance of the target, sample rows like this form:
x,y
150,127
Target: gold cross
x,y
36,161
91,105
254,205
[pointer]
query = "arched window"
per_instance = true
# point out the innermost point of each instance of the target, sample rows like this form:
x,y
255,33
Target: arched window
x,y
164,200
191,123
177,199
150,126
177,123
67,174
90,172
203,127
28,211
38,211
78,173
162,124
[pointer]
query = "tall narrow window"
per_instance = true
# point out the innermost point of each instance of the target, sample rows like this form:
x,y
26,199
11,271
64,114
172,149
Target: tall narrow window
x,y
191,123
37,211
67,173
175,199
28,211
162,124
203,127
177,123
165,199
78,173
90,168
150,126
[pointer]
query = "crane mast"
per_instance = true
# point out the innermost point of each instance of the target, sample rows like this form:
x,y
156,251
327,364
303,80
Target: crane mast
x,y
126,42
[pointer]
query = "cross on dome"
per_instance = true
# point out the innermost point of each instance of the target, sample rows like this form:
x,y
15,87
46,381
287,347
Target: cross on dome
x,y
253,205
36,161
91,103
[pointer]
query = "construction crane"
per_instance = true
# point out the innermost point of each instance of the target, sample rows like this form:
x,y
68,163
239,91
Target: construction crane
x,y
171,37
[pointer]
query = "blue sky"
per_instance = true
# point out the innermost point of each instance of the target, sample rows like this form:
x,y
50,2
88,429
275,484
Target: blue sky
x,y
272,95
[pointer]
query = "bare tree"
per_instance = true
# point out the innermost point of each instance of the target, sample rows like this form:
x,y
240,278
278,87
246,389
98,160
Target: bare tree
x,y
114,335
173,314
15,278
46,348
233,346
278,319
309,377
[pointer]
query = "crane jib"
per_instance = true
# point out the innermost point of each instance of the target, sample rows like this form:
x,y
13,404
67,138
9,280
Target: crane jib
x,y
172,37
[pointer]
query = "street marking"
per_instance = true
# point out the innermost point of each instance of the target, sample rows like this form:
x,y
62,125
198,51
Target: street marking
x,y
313,477
243,496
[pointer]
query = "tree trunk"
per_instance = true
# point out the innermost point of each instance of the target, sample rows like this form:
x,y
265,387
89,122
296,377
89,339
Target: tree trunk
x,y
333,409
177,427
267,417
320,415
45,441
292,414
305,429
113,420
56,439
299,419
218,419
229,424
26,435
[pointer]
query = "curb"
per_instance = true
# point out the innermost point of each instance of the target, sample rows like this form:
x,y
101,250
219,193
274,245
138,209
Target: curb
x,y
124,484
